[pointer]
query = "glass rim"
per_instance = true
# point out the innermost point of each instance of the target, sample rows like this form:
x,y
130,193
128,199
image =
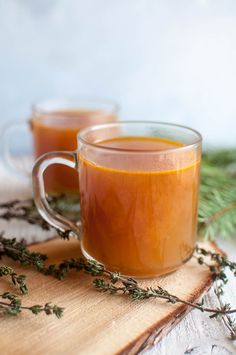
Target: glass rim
x,y
40,107
83,132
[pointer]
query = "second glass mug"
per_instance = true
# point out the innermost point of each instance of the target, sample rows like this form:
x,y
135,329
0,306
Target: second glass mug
x,y
138,194
54,124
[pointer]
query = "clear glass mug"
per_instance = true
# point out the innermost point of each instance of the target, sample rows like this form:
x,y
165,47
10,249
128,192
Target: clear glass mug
x,y
138,195
54,125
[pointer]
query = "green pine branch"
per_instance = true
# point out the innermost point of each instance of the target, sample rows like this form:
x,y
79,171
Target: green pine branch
x,y
217,204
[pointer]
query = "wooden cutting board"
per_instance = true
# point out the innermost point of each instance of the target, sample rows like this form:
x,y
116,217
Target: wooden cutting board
x,y
95,323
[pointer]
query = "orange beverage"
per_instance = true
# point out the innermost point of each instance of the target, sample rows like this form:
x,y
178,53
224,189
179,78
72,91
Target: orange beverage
x,y
143,215
138,195
57,130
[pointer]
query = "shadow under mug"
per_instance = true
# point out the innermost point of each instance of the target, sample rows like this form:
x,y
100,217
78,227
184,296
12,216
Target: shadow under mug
x,y
53,125
138,195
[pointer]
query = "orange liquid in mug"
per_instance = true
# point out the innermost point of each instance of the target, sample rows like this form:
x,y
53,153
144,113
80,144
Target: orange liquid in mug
x,y
139,213
58,131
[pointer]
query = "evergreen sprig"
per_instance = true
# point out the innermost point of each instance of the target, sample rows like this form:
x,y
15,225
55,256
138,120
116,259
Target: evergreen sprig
x,y
217,203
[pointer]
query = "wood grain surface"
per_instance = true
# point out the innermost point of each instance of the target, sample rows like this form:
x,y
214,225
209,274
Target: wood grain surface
x,y
94,322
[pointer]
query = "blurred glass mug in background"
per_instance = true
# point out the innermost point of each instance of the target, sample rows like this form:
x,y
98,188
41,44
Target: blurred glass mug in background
x,y
54,125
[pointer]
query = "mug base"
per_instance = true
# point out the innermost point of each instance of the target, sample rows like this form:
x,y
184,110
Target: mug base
x,y
158,273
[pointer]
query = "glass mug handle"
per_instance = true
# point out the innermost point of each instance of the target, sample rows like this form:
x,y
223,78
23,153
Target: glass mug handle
x,y
8,158
56,220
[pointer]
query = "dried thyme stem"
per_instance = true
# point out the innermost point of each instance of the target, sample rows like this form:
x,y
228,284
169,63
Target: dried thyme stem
x,y
229,322
14,306
16,279
19,252
130,286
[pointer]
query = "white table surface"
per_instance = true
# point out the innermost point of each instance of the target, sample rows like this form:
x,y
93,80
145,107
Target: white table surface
x,y
196,334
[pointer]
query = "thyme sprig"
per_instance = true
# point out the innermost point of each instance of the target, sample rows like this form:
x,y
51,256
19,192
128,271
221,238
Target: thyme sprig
x,y
18,251
128,286
227,319
16,279
22,210
114,282
25,210
11,305
222,263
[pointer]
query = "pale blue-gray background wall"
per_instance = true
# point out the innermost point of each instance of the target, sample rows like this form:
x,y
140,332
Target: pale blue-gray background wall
x,y
161,59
